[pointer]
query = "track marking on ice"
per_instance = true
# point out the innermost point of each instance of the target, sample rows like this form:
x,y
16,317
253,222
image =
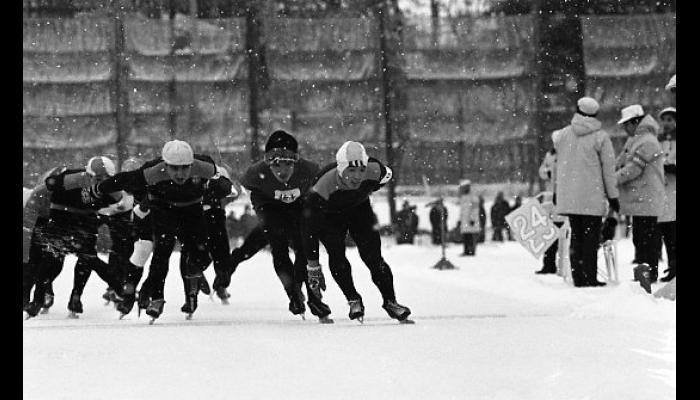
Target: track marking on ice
x,y
126,324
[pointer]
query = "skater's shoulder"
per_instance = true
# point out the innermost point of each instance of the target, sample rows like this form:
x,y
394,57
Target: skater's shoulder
x,y
327,182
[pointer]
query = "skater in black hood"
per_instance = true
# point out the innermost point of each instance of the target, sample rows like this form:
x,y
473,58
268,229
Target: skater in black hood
x,y
276,186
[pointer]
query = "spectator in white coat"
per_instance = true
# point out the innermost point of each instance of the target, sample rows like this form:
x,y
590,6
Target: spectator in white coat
x,y
585,182
639,171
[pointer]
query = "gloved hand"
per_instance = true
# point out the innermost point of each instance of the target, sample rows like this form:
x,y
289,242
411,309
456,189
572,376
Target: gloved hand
x,y
140,212
614,204
608,230
317,282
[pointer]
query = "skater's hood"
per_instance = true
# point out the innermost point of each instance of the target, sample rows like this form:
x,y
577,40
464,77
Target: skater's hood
x,y
582,125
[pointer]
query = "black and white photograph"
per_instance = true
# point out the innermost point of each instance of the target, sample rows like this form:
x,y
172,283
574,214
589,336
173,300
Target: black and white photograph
x,y
349,199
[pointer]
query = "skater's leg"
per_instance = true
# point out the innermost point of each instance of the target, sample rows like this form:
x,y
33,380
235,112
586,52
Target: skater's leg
x,y
361,227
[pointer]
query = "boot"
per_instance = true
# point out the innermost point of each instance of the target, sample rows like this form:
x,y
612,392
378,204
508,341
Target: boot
x,y
220,290
32,308
654,274
296,301
155,308
142,301
192,287
669,277
204,285
107,295
357,309
319,308
396,310
641,274
75,305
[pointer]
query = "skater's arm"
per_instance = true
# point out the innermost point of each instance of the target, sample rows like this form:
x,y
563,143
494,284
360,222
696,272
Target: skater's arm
x,y
646,153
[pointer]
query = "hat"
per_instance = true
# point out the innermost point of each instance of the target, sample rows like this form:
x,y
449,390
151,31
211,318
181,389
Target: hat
x,y
281,146
131,164
587,106
100,165
351,154
671,83
667,110
631,112
177,152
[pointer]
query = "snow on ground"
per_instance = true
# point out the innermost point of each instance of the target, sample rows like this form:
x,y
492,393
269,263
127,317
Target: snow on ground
x,y
490,329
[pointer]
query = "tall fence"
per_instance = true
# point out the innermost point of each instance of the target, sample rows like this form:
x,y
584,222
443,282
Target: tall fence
x,y
470,87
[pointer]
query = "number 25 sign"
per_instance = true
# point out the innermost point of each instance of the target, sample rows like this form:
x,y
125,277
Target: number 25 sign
x,y
532,227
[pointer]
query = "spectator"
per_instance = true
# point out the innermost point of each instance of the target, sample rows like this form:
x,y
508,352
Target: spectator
x,y
585,179
548,173
640,177
482,220
406,224
438,220
499,210
667,221
469,218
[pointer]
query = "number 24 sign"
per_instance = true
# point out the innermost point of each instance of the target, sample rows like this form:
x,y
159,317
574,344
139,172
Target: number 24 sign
x,y
532,227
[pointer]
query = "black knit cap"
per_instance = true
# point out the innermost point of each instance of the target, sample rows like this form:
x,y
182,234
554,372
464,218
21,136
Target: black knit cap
x,y
281,140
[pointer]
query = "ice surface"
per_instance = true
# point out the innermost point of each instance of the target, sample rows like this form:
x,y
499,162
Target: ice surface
x,y
491,329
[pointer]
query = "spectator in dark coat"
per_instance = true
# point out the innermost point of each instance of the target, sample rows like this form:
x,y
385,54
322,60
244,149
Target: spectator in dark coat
x,y
406,224
499,210
438,209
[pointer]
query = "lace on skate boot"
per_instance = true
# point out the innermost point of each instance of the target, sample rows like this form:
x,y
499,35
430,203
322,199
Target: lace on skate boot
x,y
154,309
357,310
397,311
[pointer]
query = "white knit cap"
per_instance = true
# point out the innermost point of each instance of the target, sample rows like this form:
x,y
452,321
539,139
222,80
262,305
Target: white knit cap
x,y
588,106
100,165
351,154
177,152
671,83
631,112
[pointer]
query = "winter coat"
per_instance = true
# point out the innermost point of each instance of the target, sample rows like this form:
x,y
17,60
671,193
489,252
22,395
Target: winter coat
x,y
668,146
585,173
435,216
640,172
499,210
469,214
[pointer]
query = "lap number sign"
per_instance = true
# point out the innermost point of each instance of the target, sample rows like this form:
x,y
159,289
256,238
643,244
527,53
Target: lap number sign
x,y
532,227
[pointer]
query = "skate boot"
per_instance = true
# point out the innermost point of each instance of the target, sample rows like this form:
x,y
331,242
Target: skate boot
x,y
190,306
321,310
32,309
75,306
357,310
641,274
142,301
396,310
296,302
48,302
204,286
221,291
127,301
107,295
154,309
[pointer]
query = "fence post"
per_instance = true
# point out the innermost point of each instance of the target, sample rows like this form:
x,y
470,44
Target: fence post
x,y
120,90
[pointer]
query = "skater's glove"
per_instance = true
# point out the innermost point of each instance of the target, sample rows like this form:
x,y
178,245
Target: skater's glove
x,y
317,282
141,213
95,192
614,204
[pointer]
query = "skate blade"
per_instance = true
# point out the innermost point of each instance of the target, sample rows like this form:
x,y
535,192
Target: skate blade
x,y
407,321
361,320
151,321
326,320
107,303
44,311
121,316
188,317
303,316
72,315
27,316
224,302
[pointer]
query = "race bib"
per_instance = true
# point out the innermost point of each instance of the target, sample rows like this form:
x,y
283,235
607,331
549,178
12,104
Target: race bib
x,y
532,227
287,196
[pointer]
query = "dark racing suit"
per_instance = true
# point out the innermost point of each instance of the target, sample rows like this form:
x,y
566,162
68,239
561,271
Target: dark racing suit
x,y
331,210
279,207
175,212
